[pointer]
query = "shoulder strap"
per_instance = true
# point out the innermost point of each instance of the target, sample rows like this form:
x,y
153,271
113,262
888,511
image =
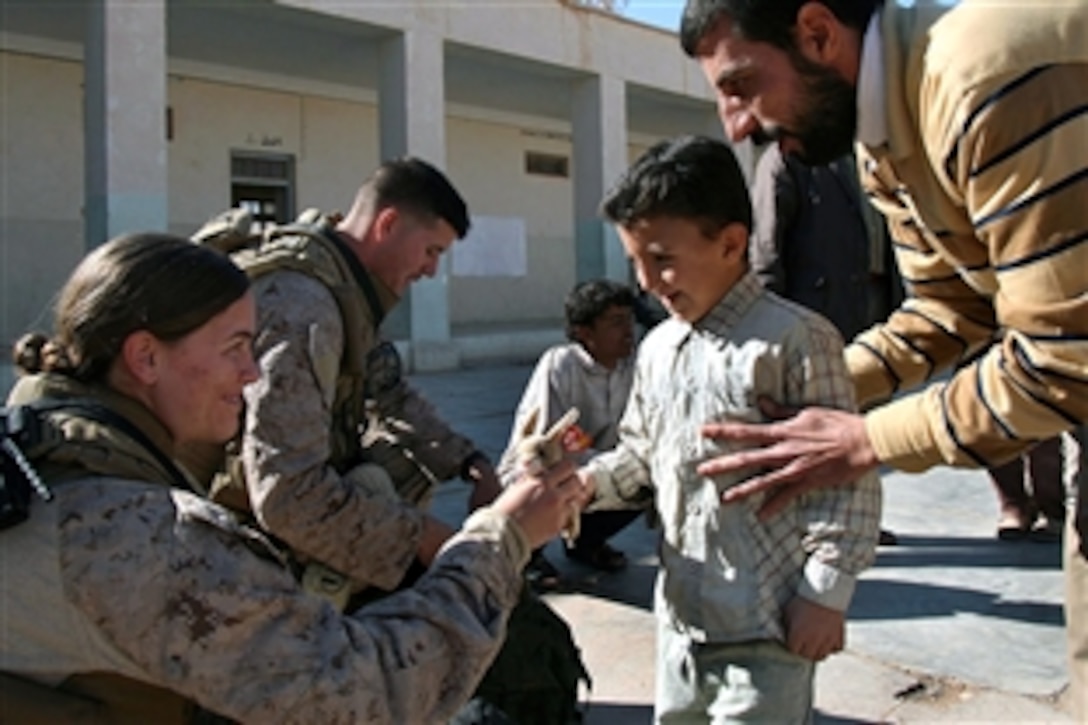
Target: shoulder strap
x,y
23,438
30,414
261,254
327,237
111,419
316,250
358,271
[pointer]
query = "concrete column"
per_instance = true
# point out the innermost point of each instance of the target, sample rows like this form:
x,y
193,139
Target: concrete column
x,y
599,121
125,163
412,107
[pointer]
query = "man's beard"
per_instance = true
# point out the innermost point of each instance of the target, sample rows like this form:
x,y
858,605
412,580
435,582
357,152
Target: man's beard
x,y
826,118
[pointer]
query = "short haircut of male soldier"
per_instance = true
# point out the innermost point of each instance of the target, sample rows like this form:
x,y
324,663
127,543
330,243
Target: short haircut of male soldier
x,y
413,186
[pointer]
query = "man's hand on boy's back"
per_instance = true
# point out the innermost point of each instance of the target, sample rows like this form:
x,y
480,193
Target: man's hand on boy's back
x,y
814,631
802,450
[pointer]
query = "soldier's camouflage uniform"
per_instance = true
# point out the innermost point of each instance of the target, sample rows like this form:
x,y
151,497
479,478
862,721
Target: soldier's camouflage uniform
x,y
293,490
160,585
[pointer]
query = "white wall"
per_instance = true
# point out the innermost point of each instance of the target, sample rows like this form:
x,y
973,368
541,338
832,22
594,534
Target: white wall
x,y
41,186
335,144
487,162
339,149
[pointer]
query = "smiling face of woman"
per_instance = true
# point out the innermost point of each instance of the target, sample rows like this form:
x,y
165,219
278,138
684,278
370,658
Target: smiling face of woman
x,y
196,388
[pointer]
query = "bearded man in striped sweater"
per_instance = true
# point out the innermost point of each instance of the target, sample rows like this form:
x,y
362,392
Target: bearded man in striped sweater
x,y
971,134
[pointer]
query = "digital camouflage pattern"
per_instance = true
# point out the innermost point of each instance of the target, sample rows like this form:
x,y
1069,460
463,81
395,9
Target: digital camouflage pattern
x,y
294,490
318,314
160,585
290,423
404,433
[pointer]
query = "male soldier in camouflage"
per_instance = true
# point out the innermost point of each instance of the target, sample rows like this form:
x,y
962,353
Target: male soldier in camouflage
x,y
311,480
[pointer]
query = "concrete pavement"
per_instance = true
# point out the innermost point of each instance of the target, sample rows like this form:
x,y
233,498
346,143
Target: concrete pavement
x,y
950,625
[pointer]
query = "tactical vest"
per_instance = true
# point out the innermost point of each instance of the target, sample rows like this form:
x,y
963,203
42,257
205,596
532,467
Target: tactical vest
x,y
315,251
311,247
46,442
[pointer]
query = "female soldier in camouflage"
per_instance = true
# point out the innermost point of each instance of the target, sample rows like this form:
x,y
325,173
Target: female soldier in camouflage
x,y
131,596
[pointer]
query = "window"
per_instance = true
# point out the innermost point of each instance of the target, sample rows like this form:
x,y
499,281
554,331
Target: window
x,y
263,184
542,164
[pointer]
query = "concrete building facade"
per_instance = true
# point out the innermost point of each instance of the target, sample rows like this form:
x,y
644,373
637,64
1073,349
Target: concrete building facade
x,y
121,115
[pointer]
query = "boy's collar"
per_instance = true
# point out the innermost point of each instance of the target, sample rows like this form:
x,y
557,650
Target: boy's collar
x,y
729,310
732,307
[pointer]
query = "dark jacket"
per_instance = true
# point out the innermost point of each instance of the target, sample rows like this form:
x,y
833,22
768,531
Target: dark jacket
x,y
810,243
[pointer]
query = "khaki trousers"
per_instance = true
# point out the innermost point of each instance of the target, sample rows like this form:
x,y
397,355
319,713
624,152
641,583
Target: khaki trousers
x,y
1076,571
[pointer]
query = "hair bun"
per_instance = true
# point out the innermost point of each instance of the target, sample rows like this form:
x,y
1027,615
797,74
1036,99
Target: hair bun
x,y
35,353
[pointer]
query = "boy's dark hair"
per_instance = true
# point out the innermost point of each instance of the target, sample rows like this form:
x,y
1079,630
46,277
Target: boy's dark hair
x,y
690,177
414,186
589,300
764,21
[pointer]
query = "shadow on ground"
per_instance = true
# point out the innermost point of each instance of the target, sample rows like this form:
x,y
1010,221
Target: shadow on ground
x,y
966,551
634,586
880,599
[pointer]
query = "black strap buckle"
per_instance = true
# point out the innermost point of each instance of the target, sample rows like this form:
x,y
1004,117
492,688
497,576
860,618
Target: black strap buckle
x,y
18,478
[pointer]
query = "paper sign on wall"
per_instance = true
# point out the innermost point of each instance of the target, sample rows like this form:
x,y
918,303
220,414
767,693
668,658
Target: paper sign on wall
x,y
494,247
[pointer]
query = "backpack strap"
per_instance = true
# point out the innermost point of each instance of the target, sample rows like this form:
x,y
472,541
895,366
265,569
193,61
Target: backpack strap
x,y
358,271
99,413
24,437
310,246
318,252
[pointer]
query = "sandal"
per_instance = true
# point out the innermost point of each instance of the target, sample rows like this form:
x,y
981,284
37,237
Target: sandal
x,y
1013,526
1046,530
602,557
